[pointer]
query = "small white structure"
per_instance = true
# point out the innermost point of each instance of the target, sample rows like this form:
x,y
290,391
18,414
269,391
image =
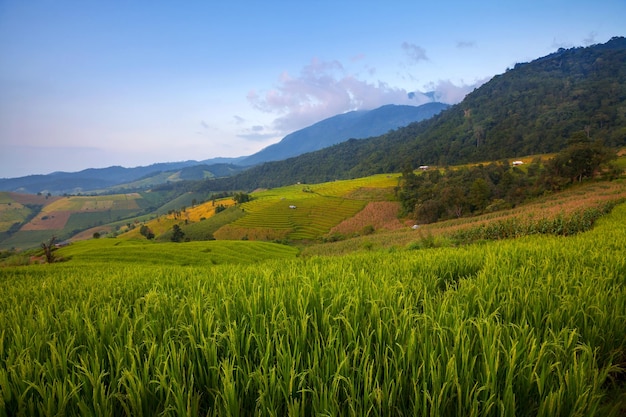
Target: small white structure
x,y
424,167
292,207
415,226
516,163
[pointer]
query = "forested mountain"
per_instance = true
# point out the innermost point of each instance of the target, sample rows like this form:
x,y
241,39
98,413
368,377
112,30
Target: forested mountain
x,y
114,177
535,107
352,125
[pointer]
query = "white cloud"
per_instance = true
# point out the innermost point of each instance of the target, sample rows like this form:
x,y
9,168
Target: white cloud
x,y
445,91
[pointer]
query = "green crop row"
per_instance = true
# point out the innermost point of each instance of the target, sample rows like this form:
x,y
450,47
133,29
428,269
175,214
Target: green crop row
x,y
201,253
529,327
561,225
308,217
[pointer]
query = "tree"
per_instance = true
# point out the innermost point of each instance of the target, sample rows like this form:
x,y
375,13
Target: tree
x,y
177,234
580,161
48,249
479,194
146,232
241,198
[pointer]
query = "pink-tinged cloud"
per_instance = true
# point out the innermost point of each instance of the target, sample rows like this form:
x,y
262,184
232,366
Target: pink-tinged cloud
x,y
322,90
325,89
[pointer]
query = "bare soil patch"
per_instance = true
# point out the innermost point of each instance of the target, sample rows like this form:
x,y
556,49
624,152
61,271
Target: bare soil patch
x,y
379,214
55,220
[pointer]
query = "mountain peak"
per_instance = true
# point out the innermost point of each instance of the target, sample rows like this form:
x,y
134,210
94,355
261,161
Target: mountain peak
x,y
358,124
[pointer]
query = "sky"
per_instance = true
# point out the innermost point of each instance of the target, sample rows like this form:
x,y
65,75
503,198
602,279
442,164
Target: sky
x,y
91,84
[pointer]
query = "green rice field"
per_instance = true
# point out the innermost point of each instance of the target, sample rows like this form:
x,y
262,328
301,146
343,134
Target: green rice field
x,y
302,212
534,326
142,252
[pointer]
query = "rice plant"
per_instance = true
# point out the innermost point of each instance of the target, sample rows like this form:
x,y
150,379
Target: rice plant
x,y
528,327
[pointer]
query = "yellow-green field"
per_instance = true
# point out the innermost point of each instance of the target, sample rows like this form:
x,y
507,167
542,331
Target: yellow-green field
x,y
571,204
302,214
524,327
118,251
302,211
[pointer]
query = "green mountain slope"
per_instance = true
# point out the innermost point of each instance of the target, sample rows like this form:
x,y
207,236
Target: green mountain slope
x,y
533,108
337,129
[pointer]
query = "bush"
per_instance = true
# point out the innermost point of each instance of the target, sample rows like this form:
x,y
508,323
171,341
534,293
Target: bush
x,y
367,230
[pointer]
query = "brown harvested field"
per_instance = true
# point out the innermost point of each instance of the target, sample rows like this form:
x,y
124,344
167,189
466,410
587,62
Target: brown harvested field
x,y
88,234
48,221
379,214
32,198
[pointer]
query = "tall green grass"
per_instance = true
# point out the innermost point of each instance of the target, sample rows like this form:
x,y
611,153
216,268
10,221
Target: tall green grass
x,y
529,327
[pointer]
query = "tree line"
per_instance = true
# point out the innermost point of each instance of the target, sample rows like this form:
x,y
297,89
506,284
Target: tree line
x,y
437,195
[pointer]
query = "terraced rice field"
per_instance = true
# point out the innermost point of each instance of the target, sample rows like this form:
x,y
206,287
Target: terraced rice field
x,y
302,212
55,215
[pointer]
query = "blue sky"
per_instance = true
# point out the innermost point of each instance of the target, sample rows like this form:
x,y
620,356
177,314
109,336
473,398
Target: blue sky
x,y
90,84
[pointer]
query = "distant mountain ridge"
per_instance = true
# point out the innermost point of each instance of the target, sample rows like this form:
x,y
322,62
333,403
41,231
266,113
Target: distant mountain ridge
x,y
352,125
101,179
336,129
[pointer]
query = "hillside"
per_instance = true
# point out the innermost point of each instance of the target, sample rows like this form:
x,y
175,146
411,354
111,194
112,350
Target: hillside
x,y
535,107
117,178
337,129
26,220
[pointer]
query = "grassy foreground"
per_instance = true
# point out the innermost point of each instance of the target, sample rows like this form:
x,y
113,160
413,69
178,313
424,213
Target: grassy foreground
x,y
527,327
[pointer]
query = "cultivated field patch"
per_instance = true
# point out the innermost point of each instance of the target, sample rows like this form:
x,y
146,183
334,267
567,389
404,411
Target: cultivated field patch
x,y
11,213
380,215
305,211
305,216
48,220
572,202
135,252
